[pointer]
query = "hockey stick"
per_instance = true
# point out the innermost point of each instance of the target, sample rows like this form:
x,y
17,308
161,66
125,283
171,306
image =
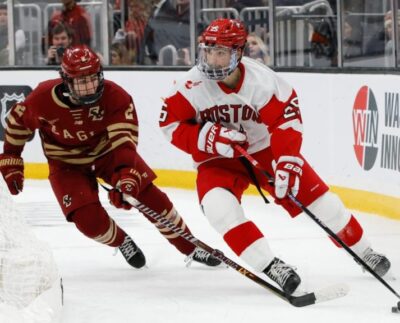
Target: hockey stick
x,y
270,178
326,294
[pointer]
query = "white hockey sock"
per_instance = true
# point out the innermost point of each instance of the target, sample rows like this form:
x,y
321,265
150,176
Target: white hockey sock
x,y
226,216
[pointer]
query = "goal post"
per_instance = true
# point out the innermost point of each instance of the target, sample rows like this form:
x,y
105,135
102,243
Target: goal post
x,y
30,286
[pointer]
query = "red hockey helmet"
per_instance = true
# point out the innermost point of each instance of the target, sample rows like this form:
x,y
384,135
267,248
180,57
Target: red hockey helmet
x,y
222,35
225,32
77,62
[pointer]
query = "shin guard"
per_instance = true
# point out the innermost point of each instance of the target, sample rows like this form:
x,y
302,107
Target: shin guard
x,y
331,211
226,216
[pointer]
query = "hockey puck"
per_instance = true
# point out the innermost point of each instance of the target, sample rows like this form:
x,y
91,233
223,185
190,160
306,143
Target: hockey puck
x,y
395,309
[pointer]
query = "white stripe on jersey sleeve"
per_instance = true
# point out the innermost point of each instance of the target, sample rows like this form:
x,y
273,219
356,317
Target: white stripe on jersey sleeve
x,y
295,124
169,130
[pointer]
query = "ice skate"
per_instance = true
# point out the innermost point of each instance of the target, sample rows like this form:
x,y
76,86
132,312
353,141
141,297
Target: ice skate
x,y
378,262
132,253
203,257
284,275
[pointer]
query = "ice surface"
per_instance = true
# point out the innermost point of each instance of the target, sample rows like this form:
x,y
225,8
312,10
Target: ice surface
x,y
102,288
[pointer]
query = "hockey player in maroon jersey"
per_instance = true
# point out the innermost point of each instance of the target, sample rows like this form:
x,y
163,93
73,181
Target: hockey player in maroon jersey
x,y
89,128
76,18
228,100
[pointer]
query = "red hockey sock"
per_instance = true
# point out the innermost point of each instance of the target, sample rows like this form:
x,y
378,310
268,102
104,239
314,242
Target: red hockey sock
x,y
350,234
242,236
93,221
159,202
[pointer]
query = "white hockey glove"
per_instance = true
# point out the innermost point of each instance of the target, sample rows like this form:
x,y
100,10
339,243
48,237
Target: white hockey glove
x,y
288,171
218,140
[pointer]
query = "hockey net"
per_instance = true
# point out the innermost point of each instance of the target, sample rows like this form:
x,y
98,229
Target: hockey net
x,y
30,289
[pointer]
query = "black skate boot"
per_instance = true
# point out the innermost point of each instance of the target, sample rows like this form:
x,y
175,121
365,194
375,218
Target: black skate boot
x,y
203,257
284,275
378,262
132,253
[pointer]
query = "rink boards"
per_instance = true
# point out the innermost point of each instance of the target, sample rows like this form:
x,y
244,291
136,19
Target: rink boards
x,y
351,124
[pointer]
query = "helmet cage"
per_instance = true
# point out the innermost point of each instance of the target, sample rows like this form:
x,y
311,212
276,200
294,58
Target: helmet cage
x,y
80,98
217,73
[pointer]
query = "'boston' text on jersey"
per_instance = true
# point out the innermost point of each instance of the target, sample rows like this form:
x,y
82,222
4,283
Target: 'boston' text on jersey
x,y
230,113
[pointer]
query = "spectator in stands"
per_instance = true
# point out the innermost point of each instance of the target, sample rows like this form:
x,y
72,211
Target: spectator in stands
x,y
389,44
352,38
116,4
61,39
76,18
323,42
169,25
119,54
256,49
138,15
4,44
388,22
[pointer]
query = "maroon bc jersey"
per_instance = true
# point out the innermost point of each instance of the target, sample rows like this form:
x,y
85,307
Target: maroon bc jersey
x,y
75,135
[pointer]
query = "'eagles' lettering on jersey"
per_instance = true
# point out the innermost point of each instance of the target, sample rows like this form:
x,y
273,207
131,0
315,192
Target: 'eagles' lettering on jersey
x,y
74,135
229,113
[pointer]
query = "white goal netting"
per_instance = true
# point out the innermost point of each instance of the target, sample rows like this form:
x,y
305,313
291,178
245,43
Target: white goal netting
x,y
28,272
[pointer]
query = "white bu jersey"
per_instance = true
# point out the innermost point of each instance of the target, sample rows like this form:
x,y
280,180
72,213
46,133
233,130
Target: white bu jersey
x,y
259,102
237,110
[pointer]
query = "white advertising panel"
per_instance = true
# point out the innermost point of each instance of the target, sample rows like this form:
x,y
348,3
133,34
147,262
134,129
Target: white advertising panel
x,y
352,128
351,123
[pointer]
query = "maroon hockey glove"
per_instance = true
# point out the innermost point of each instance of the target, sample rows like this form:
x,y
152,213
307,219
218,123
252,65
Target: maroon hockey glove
x,y
287,175
126,181
115,197
12,169
218,140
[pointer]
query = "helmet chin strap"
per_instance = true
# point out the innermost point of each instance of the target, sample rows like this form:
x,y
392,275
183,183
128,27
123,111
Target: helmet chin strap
x,y
74,100
85,100
70,94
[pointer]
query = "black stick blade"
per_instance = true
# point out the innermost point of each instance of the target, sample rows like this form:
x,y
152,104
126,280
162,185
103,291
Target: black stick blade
x,y
322,295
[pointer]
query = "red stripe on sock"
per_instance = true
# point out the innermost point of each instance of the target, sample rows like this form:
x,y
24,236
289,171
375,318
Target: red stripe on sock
x,y
242,236
351,233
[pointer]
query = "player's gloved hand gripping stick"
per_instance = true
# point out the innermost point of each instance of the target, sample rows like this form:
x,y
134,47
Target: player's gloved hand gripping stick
x,y
216,139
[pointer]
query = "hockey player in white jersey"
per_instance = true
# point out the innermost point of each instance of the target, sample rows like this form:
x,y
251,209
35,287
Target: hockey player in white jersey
x,y
228,100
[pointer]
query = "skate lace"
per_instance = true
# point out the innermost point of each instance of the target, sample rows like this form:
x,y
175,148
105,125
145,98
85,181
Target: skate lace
x,y
128,249
280,272
373,259
201,254
197,254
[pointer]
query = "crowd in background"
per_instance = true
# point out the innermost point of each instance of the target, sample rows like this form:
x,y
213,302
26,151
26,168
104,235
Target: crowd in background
x,y
157,32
